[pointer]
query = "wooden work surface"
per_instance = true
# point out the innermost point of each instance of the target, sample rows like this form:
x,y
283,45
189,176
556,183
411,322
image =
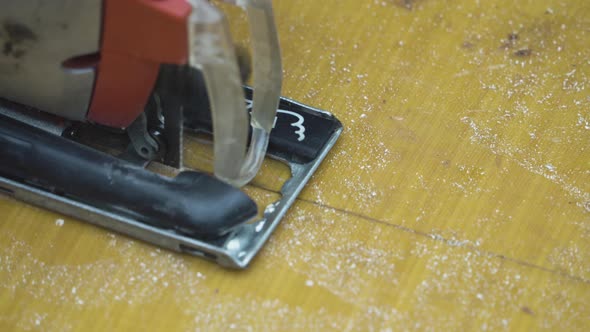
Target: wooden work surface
x,y
458,197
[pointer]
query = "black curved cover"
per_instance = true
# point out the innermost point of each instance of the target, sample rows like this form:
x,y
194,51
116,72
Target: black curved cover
x,y
193,203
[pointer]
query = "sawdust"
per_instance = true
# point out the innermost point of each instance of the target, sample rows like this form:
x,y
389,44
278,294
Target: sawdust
x,y
372,274
371,268
532,160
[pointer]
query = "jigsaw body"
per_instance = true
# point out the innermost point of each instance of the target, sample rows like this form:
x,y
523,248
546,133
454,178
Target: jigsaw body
x,y
147,72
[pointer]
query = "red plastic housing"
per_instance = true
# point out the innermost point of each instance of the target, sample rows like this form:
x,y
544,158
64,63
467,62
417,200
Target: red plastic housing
x,y
137,36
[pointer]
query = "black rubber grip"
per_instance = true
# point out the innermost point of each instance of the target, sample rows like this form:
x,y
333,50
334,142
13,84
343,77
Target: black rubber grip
x,y
193,203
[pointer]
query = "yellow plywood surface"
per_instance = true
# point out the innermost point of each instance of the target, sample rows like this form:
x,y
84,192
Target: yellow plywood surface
x,y
458,197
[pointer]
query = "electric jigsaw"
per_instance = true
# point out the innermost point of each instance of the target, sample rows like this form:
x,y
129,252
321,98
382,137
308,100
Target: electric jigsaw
x,y
136,76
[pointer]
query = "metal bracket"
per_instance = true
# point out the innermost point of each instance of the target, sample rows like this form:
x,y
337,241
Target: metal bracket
x,y
141,140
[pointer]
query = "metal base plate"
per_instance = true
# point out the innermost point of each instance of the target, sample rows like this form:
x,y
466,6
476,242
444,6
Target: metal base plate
x,y
234,250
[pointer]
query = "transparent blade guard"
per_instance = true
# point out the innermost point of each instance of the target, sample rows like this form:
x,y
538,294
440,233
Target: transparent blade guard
x,y
211,51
